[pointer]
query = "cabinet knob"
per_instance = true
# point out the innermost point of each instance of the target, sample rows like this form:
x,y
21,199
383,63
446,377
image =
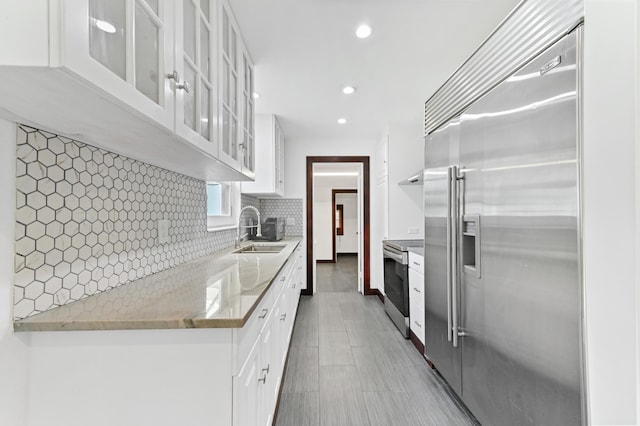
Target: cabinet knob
x,y
263,314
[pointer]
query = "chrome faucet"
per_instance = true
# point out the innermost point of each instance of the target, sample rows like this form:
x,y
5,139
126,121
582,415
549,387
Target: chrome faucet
x,y
259,226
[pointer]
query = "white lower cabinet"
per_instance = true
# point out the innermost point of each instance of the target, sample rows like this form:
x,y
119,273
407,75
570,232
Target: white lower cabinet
x,y
257,385
416,296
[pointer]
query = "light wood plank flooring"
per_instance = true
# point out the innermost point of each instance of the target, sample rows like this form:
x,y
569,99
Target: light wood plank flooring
x,y
349,366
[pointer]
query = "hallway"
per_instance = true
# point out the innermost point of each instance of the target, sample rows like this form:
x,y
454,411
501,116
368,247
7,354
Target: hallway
x,y
349,366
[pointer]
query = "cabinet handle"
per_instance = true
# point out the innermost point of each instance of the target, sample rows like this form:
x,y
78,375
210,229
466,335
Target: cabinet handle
x,y
416,263
266,370
176,77
418,324
283,278
184,86
264,313
263,379
283,316
416,289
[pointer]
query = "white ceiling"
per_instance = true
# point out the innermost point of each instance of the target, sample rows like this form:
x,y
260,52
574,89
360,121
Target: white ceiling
x,y
305,51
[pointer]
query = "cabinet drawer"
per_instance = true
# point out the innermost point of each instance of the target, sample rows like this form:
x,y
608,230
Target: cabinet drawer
x,y
416,286
416,262
416,317
246,336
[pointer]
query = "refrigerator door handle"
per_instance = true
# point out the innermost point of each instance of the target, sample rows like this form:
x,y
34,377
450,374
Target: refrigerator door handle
x,y
453,215
449,251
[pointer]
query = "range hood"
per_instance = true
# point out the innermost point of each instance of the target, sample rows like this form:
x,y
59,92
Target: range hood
x,y
414,179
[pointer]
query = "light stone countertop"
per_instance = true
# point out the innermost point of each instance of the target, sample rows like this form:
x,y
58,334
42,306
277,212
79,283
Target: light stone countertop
x,y
417,250
216,291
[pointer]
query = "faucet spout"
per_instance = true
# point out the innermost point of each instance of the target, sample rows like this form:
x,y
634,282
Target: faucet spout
x,y
259,226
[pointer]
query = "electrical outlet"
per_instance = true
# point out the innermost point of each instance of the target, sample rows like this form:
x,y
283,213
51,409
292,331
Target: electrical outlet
x,y
412,230
291,221
163,231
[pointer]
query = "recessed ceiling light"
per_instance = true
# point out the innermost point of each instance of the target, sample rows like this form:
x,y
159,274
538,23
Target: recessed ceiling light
x,y
105,26
348,90
363,31
256,95
342,120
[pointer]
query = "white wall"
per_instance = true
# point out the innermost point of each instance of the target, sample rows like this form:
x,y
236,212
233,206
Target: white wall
x,y
296,154
610,202
323,210
13,351
348,242
406,156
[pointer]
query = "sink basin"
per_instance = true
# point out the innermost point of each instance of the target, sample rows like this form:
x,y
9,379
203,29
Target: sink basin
x,y
260,248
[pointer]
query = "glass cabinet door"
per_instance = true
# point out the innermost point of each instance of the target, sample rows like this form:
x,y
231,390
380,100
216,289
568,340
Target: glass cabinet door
x,y
131,48
196,92
248,117
230,146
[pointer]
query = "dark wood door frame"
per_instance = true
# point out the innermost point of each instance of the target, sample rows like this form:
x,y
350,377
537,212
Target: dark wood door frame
x,y
366,197
333,216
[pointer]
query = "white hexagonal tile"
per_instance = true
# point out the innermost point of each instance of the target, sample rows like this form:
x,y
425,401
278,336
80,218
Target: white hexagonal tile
x,y
55,201
24,277
71,228
62,269
55,173
63,215
62,297
26,184
46,157
62,242
26,153
77,292
64,161
78,215
55,145
33,290
84,252
44,272
36,170
37,140
24,308
53,285
44,302
46,215
35,230
72,176
79,165
70,281
21,168
55,229
53,257
71,254
44,244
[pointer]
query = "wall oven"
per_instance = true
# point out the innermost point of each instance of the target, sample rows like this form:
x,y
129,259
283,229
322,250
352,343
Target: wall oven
x,y
396,281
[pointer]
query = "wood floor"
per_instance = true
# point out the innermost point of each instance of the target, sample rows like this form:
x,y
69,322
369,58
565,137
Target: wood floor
x,y
349,366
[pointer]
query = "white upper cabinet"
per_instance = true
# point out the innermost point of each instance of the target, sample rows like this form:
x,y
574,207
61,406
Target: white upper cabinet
x,y
269,172
137,77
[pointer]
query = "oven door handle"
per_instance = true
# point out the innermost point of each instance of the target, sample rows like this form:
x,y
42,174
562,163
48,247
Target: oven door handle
x,y
391,255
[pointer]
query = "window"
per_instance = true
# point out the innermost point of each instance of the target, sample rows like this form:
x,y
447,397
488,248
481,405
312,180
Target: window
x,y
218,199
223,200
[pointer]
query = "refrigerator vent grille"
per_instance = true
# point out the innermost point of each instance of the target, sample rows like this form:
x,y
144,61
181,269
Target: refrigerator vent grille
x,y
531,28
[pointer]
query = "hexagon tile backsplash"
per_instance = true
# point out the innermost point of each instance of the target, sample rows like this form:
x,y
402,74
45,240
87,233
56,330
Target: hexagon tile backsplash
x,y
86,221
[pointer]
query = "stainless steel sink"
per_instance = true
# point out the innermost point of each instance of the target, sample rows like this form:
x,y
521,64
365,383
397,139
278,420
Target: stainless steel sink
x,y
260,248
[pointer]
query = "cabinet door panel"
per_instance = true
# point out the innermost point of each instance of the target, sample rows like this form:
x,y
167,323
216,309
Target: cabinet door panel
x,y
147,65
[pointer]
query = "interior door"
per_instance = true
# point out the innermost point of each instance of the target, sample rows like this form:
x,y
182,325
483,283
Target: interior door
x,y
360,236
519,252
440,153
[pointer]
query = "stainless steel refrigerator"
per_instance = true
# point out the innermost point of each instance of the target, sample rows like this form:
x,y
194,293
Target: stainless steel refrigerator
x,y
502,250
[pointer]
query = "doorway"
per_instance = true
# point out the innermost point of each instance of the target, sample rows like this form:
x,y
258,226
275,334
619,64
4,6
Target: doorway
x,y
363,193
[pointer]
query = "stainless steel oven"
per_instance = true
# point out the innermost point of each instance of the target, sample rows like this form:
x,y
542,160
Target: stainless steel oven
x,y
396,281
